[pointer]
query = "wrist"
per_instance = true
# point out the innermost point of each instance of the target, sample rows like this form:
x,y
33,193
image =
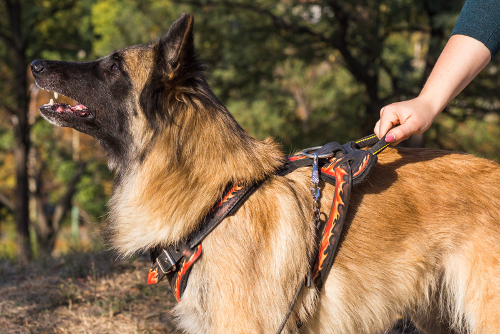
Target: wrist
x,y
433,105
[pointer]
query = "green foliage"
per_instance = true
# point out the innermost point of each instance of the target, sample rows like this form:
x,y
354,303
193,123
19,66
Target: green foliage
x,y
117,24
55,152
6,139
60,27
92,194
7,238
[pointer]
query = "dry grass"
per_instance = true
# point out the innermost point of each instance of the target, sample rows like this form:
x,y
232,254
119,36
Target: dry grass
x,y
89,293
83,293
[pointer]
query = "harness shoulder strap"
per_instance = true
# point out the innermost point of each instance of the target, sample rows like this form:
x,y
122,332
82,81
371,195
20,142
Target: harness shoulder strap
x,y
348,166
334,224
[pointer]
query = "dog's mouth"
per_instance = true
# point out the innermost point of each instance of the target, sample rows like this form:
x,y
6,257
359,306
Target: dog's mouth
x,y
62,109
78,110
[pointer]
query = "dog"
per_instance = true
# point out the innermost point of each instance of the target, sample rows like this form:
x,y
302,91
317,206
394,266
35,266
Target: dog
x,y
421,237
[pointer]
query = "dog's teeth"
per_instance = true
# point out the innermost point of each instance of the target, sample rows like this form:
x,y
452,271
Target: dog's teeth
x,y
51,102
56,95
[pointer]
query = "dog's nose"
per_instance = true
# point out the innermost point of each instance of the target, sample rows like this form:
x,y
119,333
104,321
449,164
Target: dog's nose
x,y
37,66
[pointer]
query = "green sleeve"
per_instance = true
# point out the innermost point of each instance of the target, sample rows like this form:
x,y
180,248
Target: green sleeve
x,y
480,19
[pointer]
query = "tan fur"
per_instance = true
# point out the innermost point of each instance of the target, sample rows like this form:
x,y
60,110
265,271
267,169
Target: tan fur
x,y
137,59
189,191
421,236
424,229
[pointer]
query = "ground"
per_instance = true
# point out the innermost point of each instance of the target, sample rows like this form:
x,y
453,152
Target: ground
x,y
83,293
89,293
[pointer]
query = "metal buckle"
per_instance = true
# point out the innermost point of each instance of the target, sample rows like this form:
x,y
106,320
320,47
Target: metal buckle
x,y
307,152
163,260
163,264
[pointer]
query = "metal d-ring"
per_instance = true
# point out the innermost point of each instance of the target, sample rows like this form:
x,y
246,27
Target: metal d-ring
x,y
310,155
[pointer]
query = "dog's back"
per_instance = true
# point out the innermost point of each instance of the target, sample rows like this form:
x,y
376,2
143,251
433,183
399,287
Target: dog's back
x,y
422,240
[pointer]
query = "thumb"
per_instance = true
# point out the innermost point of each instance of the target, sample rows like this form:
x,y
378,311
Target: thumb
x,y
386,123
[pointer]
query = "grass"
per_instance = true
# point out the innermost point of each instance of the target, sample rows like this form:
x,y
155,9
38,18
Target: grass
x,y
83,293
89,292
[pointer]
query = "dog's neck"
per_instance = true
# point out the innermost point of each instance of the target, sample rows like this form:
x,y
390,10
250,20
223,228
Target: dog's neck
x,y
163,198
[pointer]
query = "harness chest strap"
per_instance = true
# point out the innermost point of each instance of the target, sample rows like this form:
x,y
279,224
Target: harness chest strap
x,y
347,166
334,224
176,261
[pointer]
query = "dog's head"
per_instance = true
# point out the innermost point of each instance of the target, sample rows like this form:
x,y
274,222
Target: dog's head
x,y
127,97
164,131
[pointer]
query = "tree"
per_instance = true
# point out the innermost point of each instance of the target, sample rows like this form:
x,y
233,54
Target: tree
x,y
25,33
308,71
12,36
362,35
304,71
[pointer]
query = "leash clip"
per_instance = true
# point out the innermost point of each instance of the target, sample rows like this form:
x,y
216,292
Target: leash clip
x,y
311,155
315,173
316,193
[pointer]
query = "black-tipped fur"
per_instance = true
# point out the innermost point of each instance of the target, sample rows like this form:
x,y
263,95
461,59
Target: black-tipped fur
x,y
177,70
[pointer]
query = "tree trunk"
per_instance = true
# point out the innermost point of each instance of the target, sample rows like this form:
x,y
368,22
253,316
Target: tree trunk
x,y
21,194
48,227
21,132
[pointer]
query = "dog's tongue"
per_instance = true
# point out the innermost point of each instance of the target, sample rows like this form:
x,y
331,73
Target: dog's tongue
x,y
79,106
78,109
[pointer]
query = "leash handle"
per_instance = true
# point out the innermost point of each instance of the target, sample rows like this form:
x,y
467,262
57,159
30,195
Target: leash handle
x,y
367,141
377,145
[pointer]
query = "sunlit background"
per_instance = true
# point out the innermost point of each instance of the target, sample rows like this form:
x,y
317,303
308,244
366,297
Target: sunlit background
x,y
303,71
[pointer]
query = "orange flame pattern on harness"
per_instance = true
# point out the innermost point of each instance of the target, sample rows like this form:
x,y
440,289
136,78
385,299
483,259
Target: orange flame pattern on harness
x,y
185,266
230,194
153,276
297,157
329,169
363,165
332,220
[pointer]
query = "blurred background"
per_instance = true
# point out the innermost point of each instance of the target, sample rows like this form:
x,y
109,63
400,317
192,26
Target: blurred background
x,y
304,71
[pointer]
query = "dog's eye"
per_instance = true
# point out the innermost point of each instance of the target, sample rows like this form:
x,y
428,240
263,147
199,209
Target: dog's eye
x,y
114,68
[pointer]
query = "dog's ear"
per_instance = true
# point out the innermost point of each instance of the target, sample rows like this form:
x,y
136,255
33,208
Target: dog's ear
x,y
175,66
177,45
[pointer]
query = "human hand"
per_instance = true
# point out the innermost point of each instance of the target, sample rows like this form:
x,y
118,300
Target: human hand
x,y
413,117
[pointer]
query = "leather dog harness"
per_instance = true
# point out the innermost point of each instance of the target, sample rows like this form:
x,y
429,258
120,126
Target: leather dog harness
x,y
343,166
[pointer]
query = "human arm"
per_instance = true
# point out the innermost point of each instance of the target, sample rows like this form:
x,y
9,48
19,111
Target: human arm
x,y
458,64
461,60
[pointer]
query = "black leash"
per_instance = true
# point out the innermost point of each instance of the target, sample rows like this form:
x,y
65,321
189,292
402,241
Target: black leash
x,y
290,309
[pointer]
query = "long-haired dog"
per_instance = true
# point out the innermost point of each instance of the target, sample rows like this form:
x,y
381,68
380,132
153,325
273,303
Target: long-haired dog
x,y
422,236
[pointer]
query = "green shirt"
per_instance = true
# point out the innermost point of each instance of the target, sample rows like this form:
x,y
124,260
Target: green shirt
x,y
480,19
